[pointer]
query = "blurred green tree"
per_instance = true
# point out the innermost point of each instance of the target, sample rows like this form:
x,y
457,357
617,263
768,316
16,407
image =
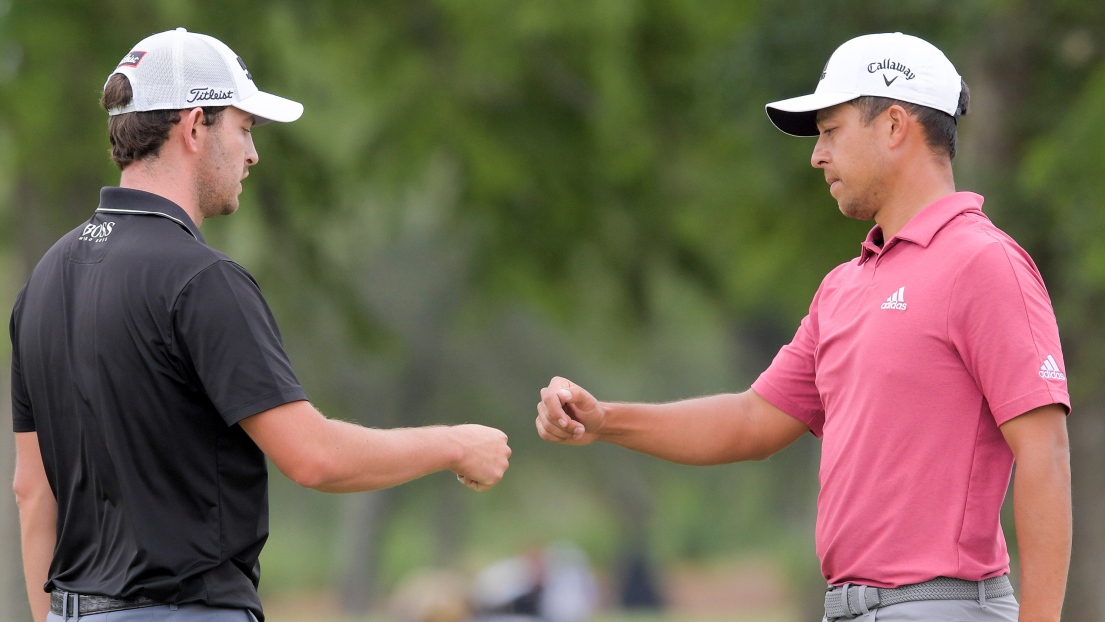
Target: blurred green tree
x,y
481,195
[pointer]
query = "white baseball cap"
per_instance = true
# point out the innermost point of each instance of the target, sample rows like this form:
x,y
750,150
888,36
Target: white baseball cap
x,y
177,69
891,65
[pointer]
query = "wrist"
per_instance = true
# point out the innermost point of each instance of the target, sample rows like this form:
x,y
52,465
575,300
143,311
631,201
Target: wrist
x,y
451,446
611,424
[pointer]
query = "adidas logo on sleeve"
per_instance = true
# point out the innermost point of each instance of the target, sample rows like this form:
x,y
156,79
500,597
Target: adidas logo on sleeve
x,y
1050,370
896,300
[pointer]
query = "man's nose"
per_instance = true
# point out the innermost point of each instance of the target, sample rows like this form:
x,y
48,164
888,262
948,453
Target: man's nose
x,y
820,156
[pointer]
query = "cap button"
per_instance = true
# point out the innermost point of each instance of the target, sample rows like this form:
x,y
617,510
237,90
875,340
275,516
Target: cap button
x,y
181,29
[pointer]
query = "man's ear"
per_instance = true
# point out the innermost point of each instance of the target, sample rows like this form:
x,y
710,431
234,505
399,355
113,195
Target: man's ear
x,y
898,125
190,128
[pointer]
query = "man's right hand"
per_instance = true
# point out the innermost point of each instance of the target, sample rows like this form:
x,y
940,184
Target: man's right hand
x,y
483,458
568,414
335,456
718,429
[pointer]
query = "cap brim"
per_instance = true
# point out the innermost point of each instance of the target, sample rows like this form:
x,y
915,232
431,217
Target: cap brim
x,y
797,116
268,107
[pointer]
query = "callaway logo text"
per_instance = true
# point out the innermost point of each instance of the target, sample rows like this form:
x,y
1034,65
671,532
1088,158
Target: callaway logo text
x,y
205,94
97,233
889,65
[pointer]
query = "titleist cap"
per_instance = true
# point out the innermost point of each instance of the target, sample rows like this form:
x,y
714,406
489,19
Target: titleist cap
x,y
891,65
177,69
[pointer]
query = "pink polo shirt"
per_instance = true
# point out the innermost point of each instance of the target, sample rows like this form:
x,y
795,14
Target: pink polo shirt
x,y
910,358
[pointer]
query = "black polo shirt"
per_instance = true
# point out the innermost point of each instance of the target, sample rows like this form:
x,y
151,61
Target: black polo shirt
x,y
136,350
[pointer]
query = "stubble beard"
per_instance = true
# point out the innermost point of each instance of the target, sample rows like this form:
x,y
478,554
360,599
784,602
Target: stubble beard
x,y
860,208
866,203
216,193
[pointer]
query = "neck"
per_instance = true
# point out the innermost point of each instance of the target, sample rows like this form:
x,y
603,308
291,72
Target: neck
x,y
168,182
913,192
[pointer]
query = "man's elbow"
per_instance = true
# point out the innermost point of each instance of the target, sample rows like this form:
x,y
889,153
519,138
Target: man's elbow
x,y
758,449
32,495
731,455
760,454
310,470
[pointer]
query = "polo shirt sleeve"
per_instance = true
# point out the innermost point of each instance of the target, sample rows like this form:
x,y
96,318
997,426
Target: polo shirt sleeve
x,y
23,419
1001,322
789,383
227,333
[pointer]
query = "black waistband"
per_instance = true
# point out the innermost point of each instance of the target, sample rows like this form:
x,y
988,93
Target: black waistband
x,y
72,604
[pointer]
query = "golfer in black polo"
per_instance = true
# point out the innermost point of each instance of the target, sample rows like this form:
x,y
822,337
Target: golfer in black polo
x,y
148,377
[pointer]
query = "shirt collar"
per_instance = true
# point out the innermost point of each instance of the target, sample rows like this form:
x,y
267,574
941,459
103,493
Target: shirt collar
x,y
923,227
115,200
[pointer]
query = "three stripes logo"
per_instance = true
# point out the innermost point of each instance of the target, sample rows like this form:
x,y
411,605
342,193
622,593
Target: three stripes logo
x,y
1050,370
896,300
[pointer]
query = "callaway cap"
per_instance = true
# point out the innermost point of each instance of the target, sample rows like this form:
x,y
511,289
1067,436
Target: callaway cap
x,y
891,65
177,69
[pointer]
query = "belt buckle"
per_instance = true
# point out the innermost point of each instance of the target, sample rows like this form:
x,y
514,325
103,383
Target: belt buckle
x,y
853,600
66,612
844,589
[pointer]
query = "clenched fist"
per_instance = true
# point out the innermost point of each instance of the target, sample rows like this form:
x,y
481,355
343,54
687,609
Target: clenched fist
x,y
568,414
484,456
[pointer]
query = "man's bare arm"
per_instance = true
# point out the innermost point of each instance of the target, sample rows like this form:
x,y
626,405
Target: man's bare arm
x,y
708,430
335,456
1042,508
38,517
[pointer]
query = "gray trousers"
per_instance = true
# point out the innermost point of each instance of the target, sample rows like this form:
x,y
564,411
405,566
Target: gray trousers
x,y
166,613
1002,609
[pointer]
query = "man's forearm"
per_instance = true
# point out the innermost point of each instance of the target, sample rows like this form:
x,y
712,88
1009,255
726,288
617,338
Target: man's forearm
x,y
370,459
709,430
38,520
38,517
335,456
1042,507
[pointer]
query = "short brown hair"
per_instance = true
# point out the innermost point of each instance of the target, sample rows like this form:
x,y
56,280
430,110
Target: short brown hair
x,y
940,127
138,135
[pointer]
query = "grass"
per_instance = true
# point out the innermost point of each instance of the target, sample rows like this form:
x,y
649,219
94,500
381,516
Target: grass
x,y
278,616
322,607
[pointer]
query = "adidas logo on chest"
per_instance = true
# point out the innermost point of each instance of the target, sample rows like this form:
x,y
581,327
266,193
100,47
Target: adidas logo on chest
x,y
896,301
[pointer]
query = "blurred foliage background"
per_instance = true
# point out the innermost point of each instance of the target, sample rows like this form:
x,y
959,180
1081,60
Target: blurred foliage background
x,y
482,195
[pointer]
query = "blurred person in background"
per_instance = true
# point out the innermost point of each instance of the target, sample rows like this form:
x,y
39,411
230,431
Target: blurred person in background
x,y
434,595
927,366
552,584
149,381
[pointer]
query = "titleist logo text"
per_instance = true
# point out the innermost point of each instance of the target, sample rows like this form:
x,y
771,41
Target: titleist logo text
x,y
206,94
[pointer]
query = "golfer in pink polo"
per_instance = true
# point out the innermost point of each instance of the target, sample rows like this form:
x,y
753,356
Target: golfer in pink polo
x,y
927,365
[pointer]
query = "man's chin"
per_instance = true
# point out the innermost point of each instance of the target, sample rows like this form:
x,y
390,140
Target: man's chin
x,y
225,209
229,207
854,211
